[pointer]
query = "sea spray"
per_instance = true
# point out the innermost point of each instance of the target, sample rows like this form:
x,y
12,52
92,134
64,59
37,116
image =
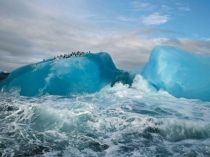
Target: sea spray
x,y
117,121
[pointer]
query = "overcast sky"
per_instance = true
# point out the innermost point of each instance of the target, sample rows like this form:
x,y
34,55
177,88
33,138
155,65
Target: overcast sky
x,y
128,30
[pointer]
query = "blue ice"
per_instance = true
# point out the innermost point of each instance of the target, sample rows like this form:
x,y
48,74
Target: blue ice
x,y
180,73
64,76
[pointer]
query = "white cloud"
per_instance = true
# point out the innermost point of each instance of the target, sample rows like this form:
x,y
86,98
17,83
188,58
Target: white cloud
x,y
126,19
165,8
138,6
182,7
205,39
155,19
29,35
192,45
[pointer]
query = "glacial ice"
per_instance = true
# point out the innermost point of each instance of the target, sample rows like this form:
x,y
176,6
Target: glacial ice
x,y
65,76
180,73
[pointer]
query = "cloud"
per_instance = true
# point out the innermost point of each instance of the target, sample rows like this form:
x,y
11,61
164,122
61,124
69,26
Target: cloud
x,y
35,32
155,19
126,19
182,7
165,8
138,6
49,37
192,45
130,49
41,30
206,39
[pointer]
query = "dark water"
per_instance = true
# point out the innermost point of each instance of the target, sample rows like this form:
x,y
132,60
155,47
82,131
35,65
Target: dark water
x,y
118,121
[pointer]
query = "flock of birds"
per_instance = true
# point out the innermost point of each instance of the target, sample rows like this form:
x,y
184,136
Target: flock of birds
x,y
73,54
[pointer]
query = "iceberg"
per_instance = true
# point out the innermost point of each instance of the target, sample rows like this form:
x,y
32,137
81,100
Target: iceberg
x,y
180,73
75,75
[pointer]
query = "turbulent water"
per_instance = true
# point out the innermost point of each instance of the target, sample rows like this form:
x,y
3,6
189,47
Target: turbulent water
x,y
117,121
85,106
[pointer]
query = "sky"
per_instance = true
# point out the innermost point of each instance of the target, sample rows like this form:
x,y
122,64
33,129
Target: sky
x,y
128,30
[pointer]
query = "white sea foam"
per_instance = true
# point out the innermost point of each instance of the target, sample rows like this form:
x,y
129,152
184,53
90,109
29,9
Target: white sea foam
x,y
118,121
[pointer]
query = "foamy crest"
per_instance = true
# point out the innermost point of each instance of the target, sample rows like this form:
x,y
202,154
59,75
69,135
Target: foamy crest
x,y
118,121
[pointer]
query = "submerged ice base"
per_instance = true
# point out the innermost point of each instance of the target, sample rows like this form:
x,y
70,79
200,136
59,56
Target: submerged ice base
x,y
181,73
65,76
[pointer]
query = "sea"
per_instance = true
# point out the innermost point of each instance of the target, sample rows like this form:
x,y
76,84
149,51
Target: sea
x,y
118,121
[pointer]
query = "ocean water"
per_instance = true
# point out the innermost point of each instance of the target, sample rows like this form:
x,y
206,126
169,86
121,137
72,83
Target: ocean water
x,y
116,121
